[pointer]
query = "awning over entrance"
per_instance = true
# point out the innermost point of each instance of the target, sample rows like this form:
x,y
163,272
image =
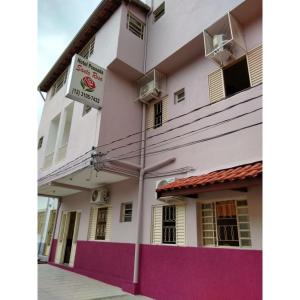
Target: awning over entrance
x,y
233,178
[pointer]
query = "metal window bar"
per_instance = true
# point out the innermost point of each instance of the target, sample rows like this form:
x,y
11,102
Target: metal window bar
x,y
159,12
135,25
101,224
158,114
169,225
179,96
127,212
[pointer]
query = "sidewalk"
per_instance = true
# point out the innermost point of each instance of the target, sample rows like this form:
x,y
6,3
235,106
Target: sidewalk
x,y
58,284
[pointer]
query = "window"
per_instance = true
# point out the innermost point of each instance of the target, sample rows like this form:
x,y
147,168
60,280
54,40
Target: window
x,y
226,223
86,109
126,212
40,143
59,82
236,77
101,224
158,114
41,221
169,225
179,96
88,49
135,25
159,12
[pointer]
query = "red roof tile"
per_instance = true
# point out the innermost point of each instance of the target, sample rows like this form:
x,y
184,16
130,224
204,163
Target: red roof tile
x,y
236,173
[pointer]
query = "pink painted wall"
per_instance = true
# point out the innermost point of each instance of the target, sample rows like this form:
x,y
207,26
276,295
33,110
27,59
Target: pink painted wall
x,y
200,273
168,272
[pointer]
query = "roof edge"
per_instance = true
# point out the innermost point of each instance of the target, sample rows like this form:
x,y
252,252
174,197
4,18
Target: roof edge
x,y
81,36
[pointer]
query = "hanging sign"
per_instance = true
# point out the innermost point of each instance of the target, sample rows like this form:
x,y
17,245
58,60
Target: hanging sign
x,y
85,82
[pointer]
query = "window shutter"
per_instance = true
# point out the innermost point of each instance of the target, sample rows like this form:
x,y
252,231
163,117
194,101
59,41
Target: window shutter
x,y
164,109
150,116
254,58
62,231
157,225
108,223
92,223
74,242
180,225
216,86
243,223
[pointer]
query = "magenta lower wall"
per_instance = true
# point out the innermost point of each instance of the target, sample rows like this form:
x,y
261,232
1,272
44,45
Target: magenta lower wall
x,y
168,272
52,251
200,273
108,262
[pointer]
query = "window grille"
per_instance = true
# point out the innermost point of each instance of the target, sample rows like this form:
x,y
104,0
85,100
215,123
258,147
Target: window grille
x,y
179,96
135,25
226,223
158,114
88,49
159,12
59,82
101,223
169,225
126,212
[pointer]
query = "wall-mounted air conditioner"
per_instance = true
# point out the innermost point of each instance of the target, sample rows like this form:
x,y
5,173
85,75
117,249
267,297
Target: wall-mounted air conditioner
x,y
100,196
151,86
223,41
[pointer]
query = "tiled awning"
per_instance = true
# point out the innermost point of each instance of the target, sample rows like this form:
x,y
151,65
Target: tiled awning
x,y
235,174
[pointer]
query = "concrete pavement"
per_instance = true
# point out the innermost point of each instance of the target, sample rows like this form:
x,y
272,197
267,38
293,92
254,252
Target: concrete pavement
x,y
58,284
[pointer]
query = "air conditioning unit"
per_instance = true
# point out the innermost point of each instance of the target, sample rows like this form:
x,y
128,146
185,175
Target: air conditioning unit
x,y
149,91
100,196
151,86
223,40
219,40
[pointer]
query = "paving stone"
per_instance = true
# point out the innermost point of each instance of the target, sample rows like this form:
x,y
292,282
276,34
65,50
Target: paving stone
x,y
58,284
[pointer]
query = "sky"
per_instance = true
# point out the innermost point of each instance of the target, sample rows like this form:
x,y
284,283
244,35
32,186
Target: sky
x,y
58,23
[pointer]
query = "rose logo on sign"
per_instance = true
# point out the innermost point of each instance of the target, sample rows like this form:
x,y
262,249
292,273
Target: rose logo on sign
x,y
88,84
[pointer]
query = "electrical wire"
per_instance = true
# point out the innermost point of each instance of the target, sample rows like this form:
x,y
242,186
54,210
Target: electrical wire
x,y
188,144
158,144
185,124
62,168
169,120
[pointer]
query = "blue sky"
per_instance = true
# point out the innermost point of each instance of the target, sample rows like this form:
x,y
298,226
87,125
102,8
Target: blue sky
x,y
58,22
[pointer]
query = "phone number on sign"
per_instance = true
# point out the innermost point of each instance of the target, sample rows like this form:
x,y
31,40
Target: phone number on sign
x,y
85,95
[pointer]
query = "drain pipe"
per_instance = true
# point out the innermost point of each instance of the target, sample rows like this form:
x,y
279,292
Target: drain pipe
x,y
142,165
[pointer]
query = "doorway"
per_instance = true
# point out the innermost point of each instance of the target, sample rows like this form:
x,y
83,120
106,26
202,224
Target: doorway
x,y
69,238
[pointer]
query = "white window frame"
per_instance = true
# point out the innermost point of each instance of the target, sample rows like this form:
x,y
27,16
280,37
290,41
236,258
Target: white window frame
x,y
236,199
159,12
135,25
60,82
176,96
123,212
88,49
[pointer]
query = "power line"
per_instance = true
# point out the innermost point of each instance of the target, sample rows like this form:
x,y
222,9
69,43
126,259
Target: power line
x,y
169,120
158,144
184,124
55,172
123,156
188,144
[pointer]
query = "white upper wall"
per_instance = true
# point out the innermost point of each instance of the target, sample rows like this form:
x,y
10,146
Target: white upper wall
x,y
182,21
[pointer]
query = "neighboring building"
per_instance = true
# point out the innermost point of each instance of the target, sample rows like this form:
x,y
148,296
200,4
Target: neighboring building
x,y
47,209
176,155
